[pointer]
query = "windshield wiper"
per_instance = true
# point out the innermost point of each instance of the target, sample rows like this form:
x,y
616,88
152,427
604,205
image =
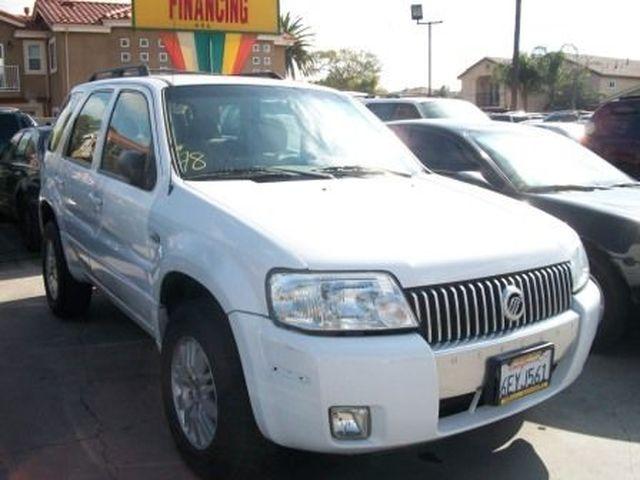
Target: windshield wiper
x,y
561,188
625,185
359,171
258,173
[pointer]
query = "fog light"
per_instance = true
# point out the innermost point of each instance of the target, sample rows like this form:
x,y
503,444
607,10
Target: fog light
x,y
350,423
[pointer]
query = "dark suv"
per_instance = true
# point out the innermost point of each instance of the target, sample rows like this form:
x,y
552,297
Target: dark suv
x,y
614,133
12,120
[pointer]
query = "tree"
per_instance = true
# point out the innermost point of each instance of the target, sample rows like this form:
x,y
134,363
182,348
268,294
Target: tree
x,y
298,58
553,73
348,70
515,62
528,80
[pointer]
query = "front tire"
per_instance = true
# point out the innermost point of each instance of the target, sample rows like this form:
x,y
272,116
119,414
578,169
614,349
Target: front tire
x,y
67,298
204,392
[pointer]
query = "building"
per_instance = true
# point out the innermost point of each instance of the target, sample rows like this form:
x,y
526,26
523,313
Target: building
x,y
44,53
608,77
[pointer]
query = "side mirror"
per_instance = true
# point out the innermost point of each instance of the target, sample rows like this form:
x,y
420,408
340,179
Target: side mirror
x,y
132,167
475,177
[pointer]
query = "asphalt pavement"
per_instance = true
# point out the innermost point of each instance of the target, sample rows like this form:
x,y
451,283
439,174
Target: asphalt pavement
x,y
81,400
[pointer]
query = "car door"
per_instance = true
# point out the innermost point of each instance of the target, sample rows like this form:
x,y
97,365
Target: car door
x,y
7,182
126,249
81,199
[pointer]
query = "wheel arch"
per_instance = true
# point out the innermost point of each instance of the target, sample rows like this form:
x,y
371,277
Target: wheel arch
x,y
46,214
177,287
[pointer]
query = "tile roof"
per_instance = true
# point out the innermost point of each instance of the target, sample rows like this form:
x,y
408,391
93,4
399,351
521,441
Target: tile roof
x,y
607,66
77,12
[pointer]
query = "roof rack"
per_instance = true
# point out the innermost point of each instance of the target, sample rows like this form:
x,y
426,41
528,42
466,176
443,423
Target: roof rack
x,y
145,71
133,71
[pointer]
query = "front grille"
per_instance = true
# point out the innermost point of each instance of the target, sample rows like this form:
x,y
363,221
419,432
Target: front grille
x,y
463,311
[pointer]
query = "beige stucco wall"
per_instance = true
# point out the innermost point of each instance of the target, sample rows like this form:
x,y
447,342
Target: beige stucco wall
x,y
33,87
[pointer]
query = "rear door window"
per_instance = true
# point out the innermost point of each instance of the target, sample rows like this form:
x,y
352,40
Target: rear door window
x,y
390,111
87,127
619,120
128,152
439,152
62,121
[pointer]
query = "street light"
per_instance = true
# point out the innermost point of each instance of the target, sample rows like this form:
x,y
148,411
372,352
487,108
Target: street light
x,y
417,16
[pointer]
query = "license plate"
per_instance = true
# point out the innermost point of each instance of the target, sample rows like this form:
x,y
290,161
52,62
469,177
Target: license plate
x,y
518,374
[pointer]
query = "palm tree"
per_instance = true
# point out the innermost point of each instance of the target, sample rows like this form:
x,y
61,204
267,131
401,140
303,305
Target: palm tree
x,y
552,75
528,81
298,59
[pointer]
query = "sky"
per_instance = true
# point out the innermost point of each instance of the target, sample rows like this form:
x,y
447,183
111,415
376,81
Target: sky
x,y
472,29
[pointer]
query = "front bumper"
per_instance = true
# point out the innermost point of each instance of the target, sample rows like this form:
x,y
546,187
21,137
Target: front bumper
x,y
293,379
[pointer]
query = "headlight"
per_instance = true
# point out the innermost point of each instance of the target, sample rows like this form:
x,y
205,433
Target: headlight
x,y
579,267
339,302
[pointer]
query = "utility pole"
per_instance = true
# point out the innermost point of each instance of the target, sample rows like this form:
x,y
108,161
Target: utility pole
x,y
417,15
515,65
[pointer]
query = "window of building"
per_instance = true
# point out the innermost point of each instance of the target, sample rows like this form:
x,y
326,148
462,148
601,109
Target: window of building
x,y
161,44
128,152
144,57
144,43
163,57
125,57
34,57
267,60
266,47
612,84
87,128
125,42
256,48
53,56
1,54
255,60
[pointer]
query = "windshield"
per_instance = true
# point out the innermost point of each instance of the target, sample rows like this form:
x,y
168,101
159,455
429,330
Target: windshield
x,y
534,159
8,127
453,109
223,129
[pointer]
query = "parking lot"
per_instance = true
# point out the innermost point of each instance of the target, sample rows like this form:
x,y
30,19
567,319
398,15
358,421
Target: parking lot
x,y
81,401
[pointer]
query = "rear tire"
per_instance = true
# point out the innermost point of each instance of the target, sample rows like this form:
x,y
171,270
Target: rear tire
x,y
67,297
617,304
235,443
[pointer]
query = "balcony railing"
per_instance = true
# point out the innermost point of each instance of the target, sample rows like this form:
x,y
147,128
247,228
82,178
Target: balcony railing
x,y
9,78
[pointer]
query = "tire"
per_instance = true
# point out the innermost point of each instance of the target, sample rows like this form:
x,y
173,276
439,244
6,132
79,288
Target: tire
x,y
28,223
617,304
236,443
67,298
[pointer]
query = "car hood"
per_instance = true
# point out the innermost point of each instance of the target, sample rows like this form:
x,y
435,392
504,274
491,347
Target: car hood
x,y
624,202
425,230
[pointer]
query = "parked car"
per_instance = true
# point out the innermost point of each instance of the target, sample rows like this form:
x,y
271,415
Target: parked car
x,y
390,109
265,233
12,120
569,116
573,130
516,117
614,134
558,176
20,164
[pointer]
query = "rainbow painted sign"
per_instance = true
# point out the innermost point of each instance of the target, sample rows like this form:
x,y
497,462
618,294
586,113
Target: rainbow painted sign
x,y
215,52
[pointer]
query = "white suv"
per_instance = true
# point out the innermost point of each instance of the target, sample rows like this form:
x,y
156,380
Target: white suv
x,y
305,279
